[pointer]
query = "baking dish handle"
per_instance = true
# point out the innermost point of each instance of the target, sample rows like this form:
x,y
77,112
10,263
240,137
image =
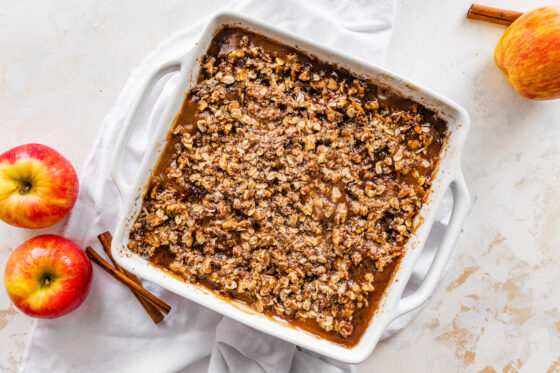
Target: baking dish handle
x,y
461,206
127,128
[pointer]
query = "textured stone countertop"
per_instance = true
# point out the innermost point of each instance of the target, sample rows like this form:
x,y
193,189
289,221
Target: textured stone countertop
x,y
63,64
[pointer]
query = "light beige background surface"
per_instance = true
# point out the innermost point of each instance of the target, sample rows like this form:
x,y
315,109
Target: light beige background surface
x,y
63,63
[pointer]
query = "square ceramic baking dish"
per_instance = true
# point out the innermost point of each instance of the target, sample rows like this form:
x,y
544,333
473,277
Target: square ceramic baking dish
x,y
391,305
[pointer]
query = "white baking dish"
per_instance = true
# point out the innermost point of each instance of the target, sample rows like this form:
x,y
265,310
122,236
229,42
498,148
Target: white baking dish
x,y
391,306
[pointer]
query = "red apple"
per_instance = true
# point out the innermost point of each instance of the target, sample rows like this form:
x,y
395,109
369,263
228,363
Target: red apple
x,y
529,54
38,186
47,276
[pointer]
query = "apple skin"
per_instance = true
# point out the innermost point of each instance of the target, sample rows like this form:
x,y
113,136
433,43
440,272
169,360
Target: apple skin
x,y
529,54
38,186
47,276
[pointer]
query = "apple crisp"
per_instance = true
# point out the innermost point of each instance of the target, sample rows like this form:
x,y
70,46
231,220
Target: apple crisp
x,y
289,184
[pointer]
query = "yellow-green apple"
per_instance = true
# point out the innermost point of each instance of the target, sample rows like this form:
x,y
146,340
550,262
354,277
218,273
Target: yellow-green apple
x,y
529,53
47,276
38,186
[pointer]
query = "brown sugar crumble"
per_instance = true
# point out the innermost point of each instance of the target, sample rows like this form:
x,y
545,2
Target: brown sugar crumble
x,y
289,184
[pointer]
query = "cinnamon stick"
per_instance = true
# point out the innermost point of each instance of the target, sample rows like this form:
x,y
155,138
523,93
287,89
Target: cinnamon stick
x,y
153,311
126,281
493,15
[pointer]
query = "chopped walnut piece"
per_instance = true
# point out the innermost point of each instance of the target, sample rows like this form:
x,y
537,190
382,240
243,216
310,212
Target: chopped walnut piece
x,y
228,79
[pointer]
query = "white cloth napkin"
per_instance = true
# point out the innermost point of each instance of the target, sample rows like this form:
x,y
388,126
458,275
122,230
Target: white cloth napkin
x,y
111,332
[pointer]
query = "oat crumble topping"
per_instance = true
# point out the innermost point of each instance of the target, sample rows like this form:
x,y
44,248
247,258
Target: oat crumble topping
x,y
288,185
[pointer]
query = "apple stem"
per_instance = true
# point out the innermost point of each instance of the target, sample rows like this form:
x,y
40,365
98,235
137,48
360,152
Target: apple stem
x,y
46,280
25,189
